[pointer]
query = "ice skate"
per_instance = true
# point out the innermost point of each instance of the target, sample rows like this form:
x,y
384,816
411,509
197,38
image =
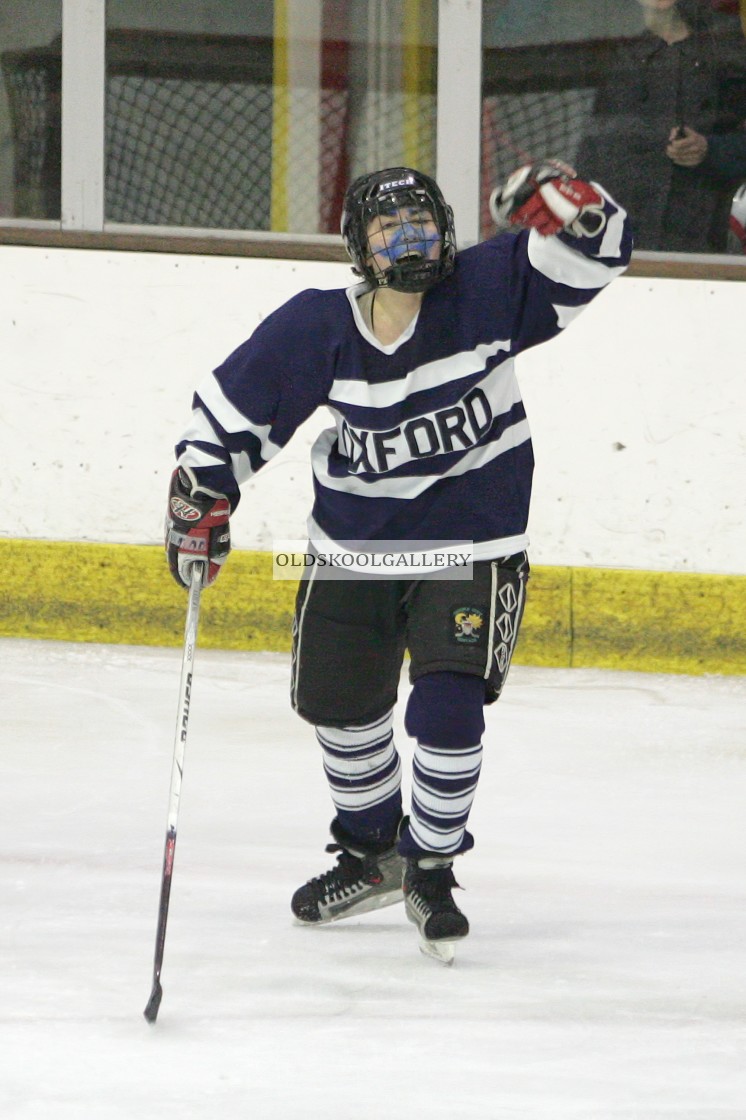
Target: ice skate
x,y
366,877
428,882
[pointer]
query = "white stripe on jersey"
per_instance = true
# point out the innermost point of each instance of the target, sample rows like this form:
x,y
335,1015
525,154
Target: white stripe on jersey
x,y
193,457
201,430
430,376
196,457
230,418
612,239
563,265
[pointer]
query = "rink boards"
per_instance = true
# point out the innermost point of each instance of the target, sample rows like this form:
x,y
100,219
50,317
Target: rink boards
x,y
646,621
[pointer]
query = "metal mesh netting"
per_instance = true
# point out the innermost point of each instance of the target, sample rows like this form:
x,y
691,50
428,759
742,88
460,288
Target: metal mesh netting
x,y
181,150
527,127
34,99
534,126
188,153
377,139
333,172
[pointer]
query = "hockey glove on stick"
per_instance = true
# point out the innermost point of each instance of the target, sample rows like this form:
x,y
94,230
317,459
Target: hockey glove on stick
x,y
548,197
197,528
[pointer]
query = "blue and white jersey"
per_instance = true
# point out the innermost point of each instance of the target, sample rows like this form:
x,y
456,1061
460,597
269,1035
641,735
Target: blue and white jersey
x,y
429,438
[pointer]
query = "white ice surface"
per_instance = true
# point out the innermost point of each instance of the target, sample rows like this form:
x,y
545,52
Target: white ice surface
x,y
604,977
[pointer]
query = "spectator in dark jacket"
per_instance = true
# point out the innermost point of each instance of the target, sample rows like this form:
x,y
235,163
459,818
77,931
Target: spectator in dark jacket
x,y
671,84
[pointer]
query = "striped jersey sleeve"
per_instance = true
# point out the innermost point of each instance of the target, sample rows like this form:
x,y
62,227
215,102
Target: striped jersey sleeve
x,y
247,409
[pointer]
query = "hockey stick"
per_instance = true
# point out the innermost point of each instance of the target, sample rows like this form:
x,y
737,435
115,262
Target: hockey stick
x,y
177,770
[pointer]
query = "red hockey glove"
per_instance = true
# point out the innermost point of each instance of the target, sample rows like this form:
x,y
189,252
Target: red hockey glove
x,y
196,529
548,197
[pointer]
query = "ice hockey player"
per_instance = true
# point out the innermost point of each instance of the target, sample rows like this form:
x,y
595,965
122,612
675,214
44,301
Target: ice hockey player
x,y
430,443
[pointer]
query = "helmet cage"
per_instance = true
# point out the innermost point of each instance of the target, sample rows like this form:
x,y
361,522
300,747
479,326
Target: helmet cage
x,y
379,195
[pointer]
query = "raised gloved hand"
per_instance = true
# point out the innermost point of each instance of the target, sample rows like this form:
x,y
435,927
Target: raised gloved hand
x,y
548,197
196,529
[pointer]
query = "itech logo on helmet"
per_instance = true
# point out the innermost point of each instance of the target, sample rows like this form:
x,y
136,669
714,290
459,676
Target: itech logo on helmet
x,y
383,188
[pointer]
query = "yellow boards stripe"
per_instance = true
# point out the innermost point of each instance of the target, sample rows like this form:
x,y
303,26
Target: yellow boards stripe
x,y
665,622
418,84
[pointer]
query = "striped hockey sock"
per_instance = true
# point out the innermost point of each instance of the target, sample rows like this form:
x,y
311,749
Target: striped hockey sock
x,y
445,715
363,770
444,781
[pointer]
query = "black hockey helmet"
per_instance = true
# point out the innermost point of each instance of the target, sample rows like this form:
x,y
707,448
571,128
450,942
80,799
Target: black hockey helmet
x,y
382,193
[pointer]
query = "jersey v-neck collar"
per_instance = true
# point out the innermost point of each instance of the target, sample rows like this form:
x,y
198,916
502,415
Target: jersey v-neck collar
x,y
353,294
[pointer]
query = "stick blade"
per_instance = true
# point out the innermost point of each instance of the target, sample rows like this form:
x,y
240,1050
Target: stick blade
x,y
154,1003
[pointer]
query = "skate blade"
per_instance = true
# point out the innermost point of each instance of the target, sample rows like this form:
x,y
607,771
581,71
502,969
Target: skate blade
x,y
442,951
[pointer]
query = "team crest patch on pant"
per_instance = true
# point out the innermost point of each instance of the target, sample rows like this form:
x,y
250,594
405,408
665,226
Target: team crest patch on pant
x,y
467,625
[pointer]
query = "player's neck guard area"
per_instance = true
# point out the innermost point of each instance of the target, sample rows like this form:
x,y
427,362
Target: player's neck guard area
x,y
356,295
